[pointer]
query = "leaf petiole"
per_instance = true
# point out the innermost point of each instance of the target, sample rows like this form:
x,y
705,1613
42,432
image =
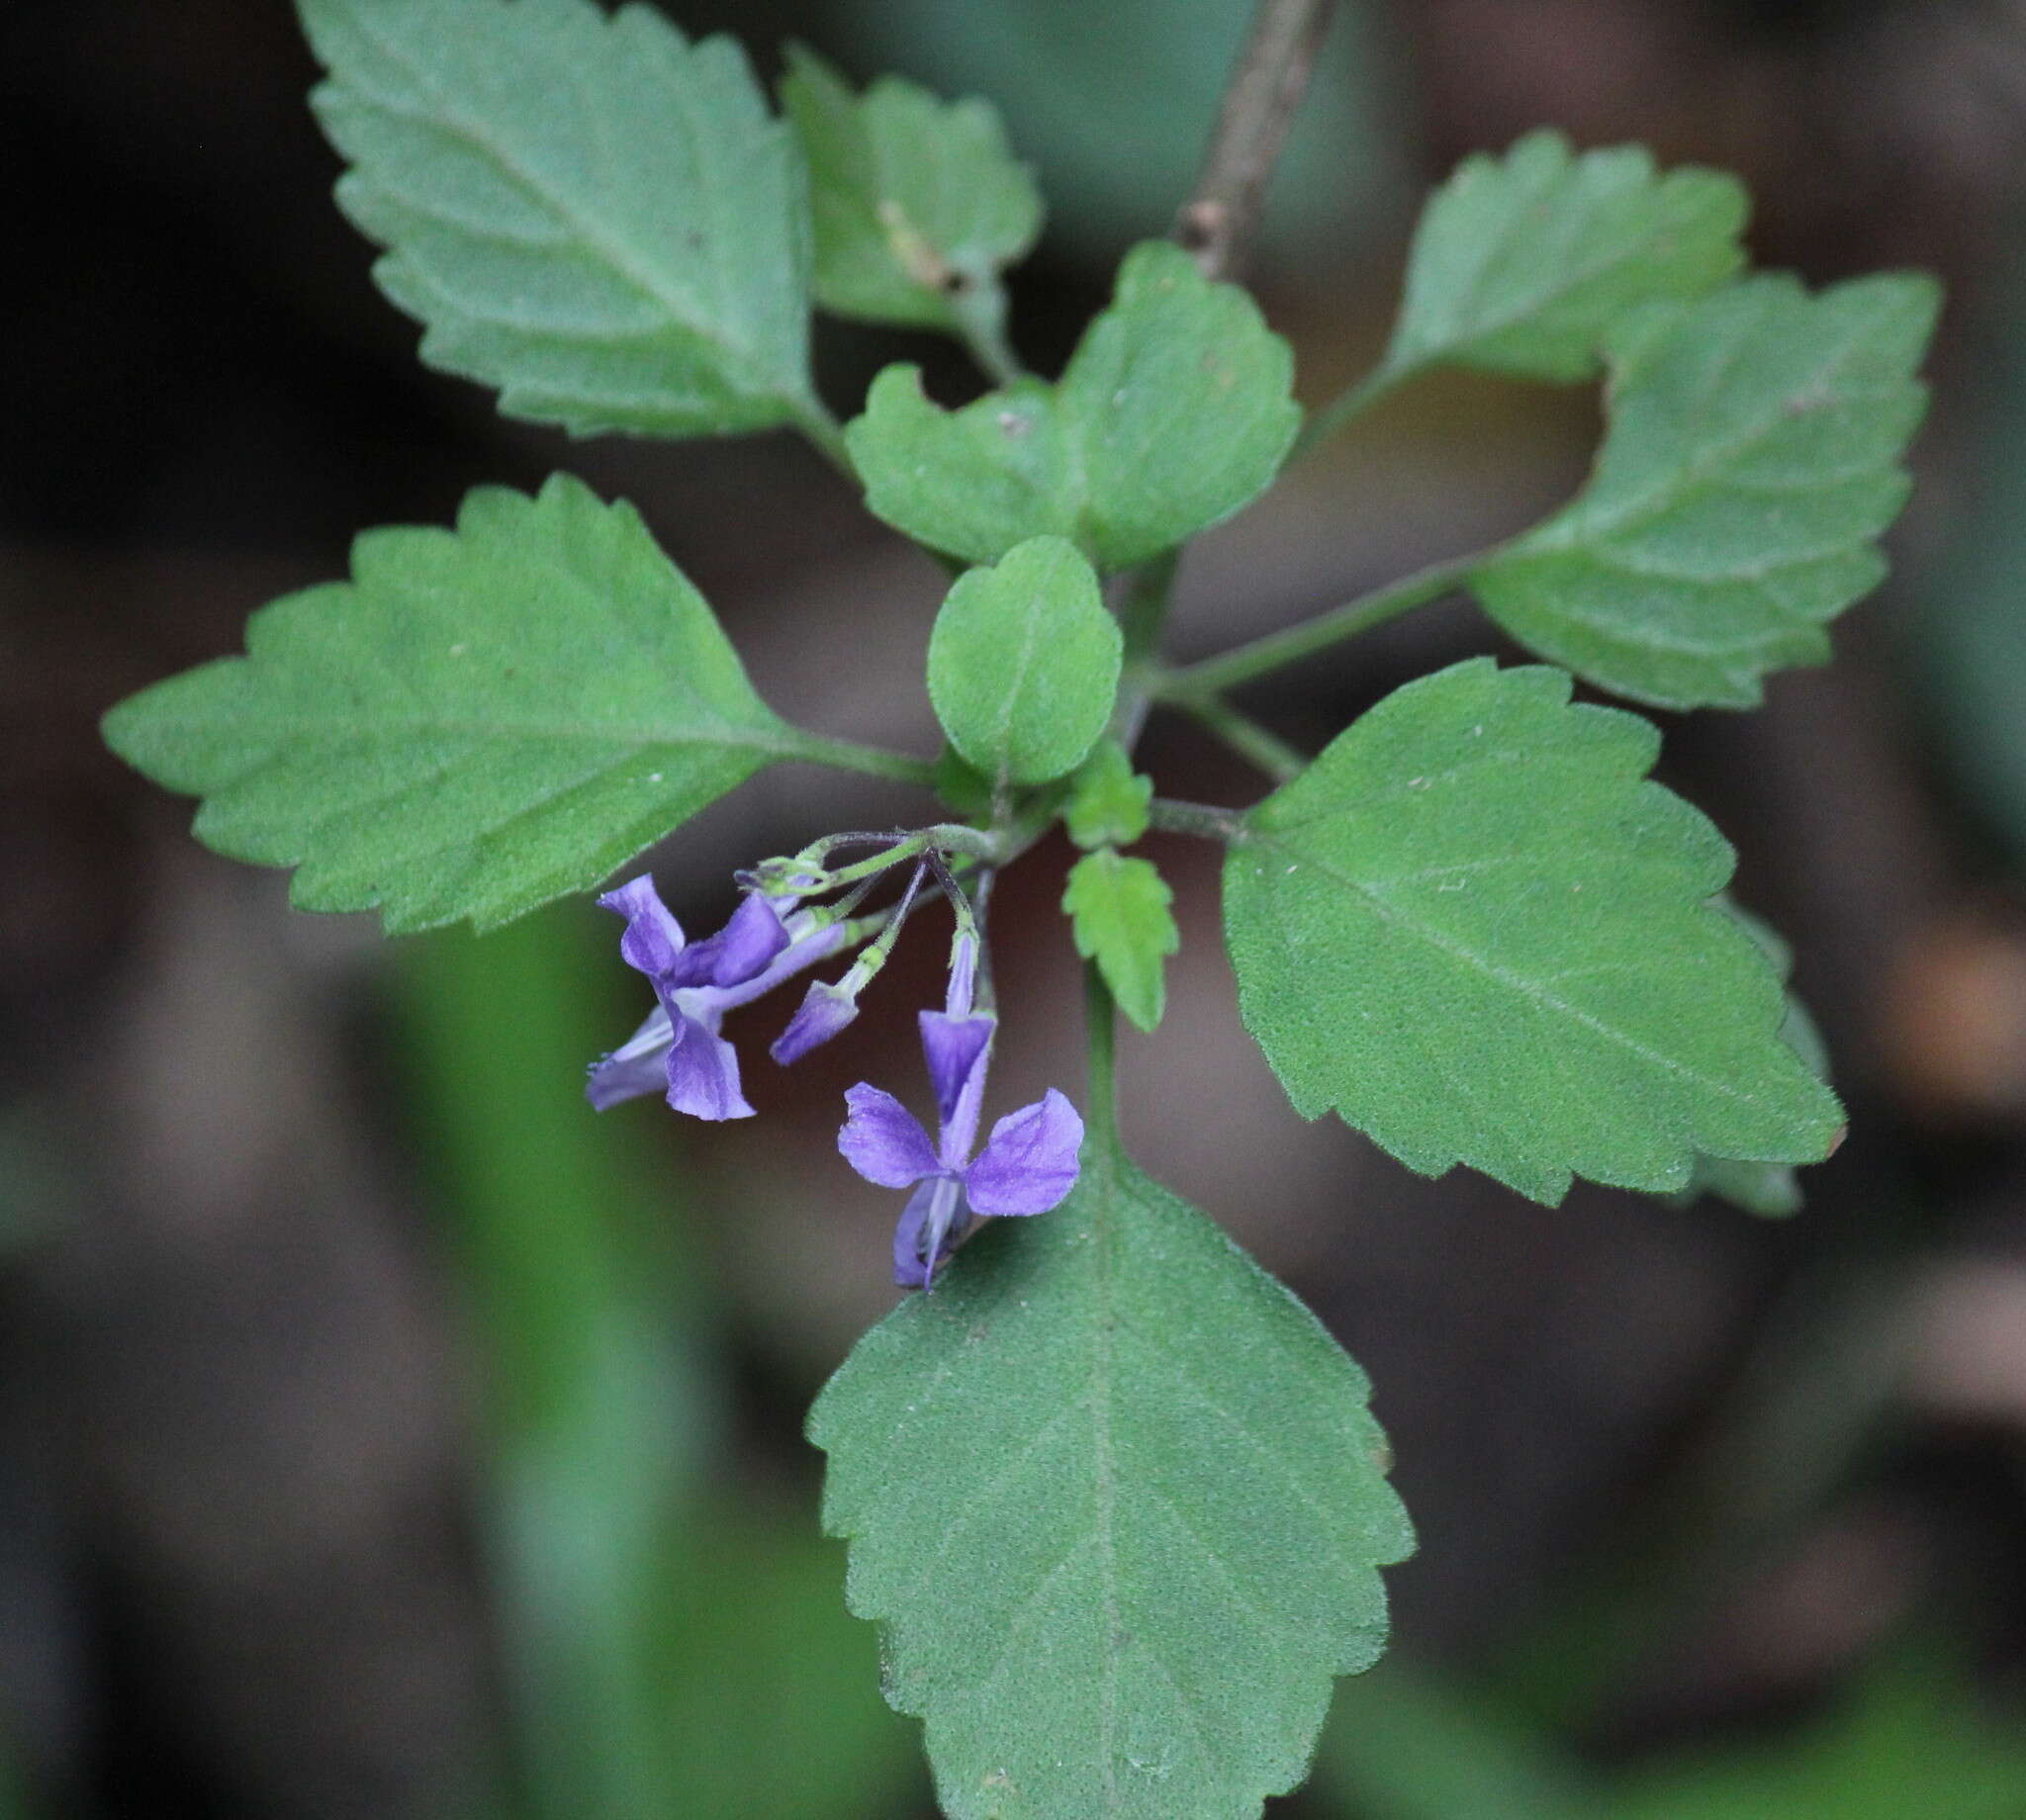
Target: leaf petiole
x,y
1346,406
1197,818
1264,750
1211,675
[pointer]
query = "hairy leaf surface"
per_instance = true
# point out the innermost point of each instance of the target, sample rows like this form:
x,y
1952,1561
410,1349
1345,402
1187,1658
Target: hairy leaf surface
x,y
1770,1189
1118,1502
1520,264
917,202
1751,457
1024,662
587,212
478,721
1478,931
1118,906
1109,802
1175,410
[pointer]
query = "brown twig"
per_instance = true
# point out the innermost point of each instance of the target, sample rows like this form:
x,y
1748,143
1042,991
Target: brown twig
x,y
1217,222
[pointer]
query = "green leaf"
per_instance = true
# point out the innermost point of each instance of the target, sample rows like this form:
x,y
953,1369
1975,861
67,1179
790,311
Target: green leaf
x,y
587,212
1117,1565
1752,455
1475,929
479,721
1024,664
1120,917
1108,806
917,202
1522,263
1769,1190
1175,410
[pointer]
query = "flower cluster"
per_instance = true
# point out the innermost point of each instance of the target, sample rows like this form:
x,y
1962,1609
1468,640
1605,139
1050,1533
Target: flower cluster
x,y
1027,1165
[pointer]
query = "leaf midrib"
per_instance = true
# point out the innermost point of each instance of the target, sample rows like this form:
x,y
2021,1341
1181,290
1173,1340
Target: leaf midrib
x,y
1583,525
454,121
1397,917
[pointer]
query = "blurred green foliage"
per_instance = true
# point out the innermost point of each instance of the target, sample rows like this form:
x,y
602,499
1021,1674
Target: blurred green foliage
x,y
1910,1731
1112,154
675,1644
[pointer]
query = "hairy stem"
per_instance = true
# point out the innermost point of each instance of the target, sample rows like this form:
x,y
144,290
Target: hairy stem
x,y
1215,225
980,313
1213,675
1218,221
1100,1024
1197,818
826,435
872,760
1268,752
1352,403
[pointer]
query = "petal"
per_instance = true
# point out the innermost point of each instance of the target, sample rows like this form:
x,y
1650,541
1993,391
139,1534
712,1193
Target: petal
x,y
825,1009
884,1141
930,1225
963,975
638,1065
908,1269
653,942
739,951
703,1075
806,946
1029,1161
750,939
958,1051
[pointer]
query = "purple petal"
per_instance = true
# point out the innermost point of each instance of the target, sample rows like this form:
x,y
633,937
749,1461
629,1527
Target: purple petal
x,y
752,939
806,946
825,1009
1029,1161
884,1141
703,1075
958,1051
638,1065
741,951
962,976
930,1224
653,942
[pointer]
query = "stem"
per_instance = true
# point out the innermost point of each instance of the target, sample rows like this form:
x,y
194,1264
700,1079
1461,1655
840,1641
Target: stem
x,y
1218,221
1197,818
980,313
1244,734
1100,1024
812,417
873,761
1213,675
1353,401
1143,611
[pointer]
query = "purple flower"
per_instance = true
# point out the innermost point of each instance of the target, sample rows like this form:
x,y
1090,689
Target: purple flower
x,y
824,1011
678,1048
1027,1166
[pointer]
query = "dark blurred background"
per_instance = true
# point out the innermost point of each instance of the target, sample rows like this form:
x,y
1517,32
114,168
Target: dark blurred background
x,y
383,1436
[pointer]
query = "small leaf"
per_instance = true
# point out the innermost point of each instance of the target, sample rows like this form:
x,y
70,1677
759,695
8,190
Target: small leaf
x,y
1752,455
1024,664
1477,930
479,721
1120,917
1108,803
1175,410
1770,1189
585,210
916,201
1116,1565
1520,264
